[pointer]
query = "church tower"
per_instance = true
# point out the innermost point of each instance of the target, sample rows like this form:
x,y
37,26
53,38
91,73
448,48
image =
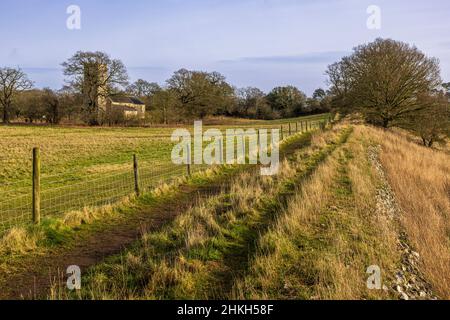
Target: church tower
x,y
94,86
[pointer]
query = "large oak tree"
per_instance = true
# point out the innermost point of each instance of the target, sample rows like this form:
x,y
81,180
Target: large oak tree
x,y
383,80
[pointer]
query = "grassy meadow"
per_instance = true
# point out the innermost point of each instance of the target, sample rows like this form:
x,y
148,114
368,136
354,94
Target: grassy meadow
x,y
90,166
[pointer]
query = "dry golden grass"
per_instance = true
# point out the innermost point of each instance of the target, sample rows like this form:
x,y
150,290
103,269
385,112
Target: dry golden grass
x,y
331,232
18,241
420,178
265,279
88,215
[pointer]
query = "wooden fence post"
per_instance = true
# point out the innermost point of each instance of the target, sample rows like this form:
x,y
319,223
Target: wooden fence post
x,y
282,132
296,127
36,205
290,129
136,175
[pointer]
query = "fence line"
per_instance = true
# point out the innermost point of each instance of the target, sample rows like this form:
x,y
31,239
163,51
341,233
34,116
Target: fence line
x,y
42,197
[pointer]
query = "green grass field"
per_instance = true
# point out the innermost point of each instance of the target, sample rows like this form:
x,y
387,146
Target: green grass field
x,y
88,166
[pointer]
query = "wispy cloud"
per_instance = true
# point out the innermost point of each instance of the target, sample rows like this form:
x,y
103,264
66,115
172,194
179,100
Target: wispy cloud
x,y
307,58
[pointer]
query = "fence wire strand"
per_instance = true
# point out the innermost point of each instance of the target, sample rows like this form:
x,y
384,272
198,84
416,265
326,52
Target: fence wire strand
x,y
59,196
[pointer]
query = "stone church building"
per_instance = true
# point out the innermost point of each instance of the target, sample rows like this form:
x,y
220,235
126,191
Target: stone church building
x,y
129,106
109,106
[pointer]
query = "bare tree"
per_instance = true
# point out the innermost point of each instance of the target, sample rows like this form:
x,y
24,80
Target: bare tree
x,y
164,106
70,102
319,94
340,81
143,89
96,76
12,81
288,101
28,105
383,80
251,103
200,93
52,106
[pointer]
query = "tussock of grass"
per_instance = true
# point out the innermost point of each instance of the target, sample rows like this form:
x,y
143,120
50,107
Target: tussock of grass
x,y
89,215
20,241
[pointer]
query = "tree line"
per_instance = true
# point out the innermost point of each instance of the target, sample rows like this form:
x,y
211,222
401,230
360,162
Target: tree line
x,y
187,95
389,83
392,84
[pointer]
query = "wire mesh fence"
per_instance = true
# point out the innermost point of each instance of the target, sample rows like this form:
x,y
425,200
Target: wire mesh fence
x,y
60,194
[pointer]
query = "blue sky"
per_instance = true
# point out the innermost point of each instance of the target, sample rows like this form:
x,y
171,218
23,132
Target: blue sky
x,y
262,43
